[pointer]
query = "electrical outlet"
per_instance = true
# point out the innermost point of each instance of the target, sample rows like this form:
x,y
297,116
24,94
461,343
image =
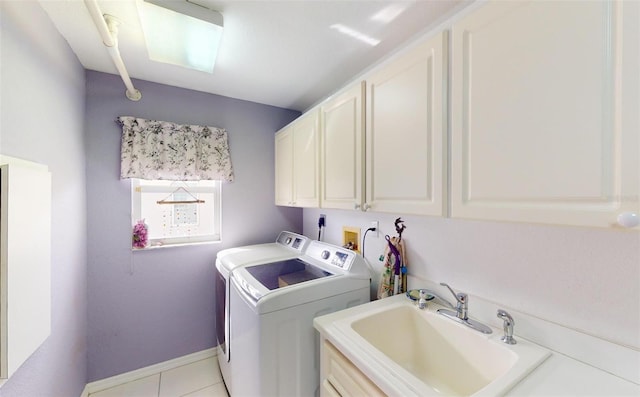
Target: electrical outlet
x,y
322,221
375,224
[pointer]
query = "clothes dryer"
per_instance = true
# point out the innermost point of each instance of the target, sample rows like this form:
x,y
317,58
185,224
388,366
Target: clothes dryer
x,y
288,245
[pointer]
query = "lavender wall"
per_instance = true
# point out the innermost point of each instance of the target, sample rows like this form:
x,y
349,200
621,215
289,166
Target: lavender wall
x,y
42,90
150,306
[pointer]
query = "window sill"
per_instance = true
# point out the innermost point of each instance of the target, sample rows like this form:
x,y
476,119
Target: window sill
x,y
163,246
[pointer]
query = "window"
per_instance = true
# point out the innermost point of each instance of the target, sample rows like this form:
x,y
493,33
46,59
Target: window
x,y
177,212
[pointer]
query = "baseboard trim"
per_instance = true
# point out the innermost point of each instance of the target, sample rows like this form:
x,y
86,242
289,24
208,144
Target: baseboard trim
x,y
116,380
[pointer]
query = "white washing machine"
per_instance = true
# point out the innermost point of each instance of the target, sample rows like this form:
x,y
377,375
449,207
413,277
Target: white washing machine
x,y
275,349
288,245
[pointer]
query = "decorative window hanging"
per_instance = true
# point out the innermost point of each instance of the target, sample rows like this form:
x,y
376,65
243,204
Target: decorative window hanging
x,y
155,150
189,199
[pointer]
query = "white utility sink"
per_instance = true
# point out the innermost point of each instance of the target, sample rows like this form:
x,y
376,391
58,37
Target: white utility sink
x,y
430,354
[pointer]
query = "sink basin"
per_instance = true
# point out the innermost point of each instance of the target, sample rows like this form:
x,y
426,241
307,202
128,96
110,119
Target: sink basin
x,y
434,355
436,350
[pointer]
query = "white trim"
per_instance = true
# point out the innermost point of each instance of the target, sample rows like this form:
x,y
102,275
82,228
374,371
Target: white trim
x,y
153,247
22,163
209,187
117,380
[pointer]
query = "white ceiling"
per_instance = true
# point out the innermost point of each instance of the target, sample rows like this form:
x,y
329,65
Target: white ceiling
x,y
280,53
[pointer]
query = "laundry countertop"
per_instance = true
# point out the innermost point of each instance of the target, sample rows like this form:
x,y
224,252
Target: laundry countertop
x,y
558,375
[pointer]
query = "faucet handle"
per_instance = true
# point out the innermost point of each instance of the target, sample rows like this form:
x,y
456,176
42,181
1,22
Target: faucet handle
x,y
461,298
508,327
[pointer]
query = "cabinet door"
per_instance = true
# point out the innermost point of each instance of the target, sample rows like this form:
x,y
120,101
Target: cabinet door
x,y
406,132
342,150
545,107
25,261
284,167
306,164
341,377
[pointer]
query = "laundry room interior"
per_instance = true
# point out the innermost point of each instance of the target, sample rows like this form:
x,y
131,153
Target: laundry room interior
x,y
373,164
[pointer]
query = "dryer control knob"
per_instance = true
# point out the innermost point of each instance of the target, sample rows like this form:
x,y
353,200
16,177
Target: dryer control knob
x,y
325,254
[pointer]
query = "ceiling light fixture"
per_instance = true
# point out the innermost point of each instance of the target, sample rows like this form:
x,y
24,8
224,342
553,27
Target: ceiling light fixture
x,y
355,34
182,33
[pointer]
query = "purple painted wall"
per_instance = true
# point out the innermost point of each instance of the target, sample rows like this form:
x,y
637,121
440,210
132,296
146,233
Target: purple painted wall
x,y
42,91
146,307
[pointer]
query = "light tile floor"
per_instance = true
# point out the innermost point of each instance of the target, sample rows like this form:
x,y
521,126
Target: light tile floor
x,y
198,379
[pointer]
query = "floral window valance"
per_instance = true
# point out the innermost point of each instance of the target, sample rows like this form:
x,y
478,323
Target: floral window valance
x,y
154,149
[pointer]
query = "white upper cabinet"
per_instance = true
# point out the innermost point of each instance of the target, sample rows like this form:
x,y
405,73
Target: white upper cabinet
x,y
545,112
342,183
306,160
406,128
284,166
297,162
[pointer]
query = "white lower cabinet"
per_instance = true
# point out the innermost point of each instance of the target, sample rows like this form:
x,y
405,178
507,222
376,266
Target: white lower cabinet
x,y
340,377
545,112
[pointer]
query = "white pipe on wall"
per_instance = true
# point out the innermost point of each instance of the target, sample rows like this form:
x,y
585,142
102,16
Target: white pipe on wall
x,y
108,28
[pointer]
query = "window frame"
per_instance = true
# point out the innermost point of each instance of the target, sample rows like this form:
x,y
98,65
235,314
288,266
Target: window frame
x,y
137,189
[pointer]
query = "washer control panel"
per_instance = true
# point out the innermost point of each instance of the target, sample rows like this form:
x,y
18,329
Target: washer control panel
x,y
293,241
331,255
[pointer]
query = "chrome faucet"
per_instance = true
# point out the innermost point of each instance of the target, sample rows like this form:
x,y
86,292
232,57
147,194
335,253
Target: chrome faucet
x,y
508,327
462,308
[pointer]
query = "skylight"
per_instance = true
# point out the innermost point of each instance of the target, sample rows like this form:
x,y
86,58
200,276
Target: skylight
x,y
181,33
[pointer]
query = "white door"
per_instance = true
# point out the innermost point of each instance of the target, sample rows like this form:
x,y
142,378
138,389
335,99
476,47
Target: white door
x,y
306,164
25,261
342,123
406,132
545,112
284,167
